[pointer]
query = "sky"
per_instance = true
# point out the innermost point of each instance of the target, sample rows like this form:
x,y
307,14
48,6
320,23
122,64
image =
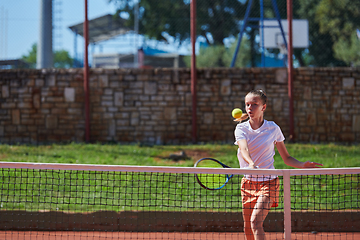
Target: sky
x,y
20,20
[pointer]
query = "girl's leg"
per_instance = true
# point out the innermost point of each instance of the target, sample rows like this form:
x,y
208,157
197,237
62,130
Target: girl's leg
x,y
261,210
247,212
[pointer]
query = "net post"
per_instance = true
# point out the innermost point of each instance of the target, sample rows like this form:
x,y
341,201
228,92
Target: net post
x,y
287,205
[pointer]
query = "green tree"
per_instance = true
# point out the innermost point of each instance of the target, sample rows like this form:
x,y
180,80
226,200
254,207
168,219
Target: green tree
x,y
348,51
340,19
31,57
211,56
62,58
244,57
320,52
330,22
216,19
221,56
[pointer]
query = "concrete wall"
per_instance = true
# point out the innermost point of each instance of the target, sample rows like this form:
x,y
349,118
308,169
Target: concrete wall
x,y
155,105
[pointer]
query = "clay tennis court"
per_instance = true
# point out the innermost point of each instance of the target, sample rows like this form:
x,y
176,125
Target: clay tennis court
x,y
70,235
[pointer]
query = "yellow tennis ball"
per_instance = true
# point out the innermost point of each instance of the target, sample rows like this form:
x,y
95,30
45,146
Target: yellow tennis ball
x,y
237,113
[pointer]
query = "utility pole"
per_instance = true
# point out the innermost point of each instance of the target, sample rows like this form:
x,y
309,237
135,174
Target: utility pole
x,y
44,57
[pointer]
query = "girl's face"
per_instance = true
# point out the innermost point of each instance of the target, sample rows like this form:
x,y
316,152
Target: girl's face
x,y
254,106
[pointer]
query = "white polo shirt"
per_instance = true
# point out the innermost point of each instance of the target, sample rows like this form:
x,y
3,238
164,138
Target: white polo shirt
x,y
261,143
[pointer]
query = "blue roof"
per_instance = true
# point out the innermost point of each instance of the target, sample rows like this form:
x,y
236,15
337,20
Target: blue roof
x,y
152,51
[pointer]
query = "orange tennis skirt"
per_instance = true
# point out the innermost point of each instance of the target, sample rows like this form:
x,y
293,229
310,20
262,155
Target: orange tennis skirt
x,y
251,190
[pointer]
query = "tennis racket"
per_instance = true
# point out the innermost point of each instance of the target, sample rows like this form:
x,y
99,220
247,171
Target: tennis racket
x,y
212,181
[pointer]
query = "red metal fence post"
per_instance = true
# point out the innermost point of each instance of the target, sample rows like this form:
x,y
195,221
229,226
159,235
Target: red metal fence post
x,y
193,68
290,70
86,76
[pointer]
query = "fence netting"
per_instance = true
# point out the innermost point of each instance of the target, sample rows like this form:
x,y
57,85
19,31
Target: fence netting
x,y
157,27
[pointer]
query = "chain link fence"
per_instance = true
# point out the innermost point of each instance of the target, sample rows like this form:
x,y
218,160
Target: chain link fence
x,y
156,33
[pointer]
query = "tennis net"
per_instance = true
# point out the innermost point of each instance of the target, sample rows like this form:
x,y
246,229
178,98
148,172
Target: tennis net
x,y
71,201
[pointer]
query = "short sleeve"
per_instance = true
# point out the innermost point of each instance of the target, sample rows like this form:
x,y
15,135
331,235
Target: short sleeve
x,y
279,136
239,133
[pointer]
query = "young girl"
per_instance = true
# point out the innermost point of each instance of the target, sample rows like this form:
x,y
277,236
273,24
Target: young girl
x,y
256,139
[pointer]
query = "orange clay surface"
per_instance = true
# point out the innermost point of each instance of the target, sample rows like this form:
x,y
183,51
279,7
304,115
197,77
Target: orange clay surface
x,y
70,235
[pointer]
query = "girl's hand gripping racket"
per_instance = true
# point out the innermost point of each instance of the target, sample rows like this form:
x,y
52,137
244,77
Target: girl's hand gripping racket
x,y
212,181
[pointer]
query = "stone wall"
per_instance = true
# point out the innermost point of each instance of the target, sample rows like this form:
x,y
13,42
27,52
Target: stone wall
x,y
155,105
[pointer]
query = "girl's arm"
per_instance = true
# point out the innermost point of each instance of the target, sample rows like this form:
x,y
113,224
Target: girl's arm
x,y
291,161
244,151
